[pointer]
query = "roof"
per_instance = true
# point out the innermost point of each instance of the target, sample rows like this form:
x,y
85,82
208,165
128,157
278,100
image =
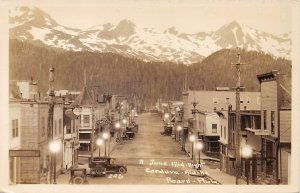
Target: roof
x,y
70,114
284,87
14,91
284,92
84,98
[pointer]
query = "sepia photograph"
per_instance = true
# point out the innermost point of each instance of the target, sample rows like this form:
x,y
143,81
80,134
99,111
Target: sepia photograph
x,y
111,93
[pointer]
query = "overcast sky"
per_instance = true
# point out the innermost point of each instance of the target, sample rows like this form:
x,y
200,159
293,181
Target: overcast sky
x,y
187,16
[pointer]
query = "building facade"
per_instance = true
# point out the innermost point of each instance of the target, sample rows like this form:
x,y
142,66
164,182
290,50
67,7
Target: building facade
x,y
276,119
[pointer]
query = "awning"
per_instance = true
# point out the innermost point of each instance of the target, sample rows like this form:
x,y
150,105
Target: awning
x,y
84,141
70,114
231,156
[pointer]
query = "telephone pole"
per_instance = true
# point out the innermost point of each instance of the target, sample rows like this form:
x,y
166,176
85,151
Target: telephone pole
x,y
50,124
238,119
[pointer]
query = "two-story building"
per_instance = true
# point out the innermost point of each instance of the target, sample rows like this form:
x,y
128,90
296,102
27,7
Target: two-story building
x,y
214,104
89,110
28,129
276,119
71,138
267,131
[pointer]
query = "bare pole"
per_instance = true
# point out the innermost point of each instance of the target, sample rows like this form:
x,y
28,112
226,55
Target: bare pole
x,y
238,119
93,126
50,124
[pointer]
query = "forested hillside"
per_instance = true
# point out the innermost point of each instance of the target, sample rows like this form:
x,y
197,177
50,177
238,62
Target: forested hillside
x,y
147,81
218,69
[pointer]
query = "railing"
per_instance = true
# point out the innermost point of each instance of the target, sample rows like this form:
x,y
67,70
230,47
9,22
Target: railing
x,y
69,135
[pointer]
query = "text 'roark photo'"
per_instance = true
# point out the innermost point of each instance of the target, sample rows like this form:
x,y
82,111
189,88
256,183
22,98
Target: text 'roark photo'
x,y
127,95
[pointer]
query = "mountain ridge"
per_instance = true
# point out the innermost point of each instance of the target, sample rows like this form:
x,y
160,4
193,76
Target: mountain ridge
x,y
125,38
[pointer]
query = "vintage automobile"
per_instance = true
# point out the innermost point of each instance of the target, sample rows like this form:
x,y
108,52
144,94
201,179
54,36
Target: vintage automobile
x,y
78,176
106,165
167,130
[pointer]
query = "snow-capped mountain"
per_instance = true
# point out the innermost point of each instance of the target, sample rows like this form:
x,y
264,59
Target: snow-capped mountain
x,y
34,25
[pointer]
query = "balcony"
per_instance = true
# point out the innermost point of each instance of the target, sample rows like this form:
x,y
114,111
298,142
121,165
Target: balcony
x,y
69,135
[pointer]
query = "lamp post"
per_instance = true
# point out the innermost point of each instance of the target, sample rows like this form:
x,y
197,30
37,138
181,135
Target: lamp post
x,y
166,117
99,143
117,126
54,148
192,139
247,153
179,128
124,121
199,147
105,136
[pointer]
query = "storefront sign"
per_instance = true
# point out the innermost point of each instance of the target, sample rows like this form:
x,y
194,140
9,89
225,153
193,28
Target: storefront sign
x,y
24,153
259,131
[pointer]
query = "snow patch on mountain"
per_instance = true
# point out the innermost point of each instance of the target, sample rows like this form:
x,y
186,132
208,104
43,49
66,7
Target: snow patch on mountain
x,y
32,24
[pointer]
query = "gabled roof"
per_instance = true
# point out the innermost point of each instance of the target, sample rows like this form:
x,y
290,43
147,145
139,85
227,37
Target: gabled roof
x,y
84,99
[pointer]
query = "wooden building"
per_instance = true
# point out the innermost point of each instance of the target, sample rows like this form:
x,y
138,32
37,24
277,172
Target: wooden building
x,y
276,118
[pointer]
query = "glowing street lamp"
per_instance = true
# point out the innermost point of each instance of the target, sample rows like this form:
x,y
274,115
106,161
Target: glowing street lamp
x,y
105,136
117,125
166,116
192,139
54,147
247,153
179,128
99,143
199,146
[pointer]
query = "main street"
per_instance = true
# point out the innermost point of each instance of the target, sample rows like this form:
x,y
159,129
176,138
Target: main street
x,y
151,158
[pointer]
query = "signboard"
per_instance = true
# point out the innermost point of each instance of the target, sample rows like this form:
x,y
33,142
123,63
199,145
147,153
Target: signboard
x,y
24,153
259,131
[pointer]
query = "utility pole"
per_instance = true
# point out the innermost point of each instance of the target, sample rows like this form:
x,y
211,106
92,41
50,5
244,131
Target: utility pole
x,y
50,124
93,127
238,119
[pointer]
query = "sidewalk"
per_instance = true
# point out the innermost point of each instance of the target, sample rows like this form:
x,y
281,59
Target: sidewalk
x,y
65,177
213,172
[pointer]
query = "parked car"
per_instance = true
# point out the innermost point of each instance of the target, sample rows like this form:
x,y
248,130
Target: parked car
x,y
78,176
107,165
167,130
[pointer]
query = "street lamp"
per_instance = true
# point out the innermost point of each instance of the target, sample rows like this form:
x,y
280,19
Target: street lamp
x,y
166,117
105,136
117,125
54,148
179,128
247,153
192,138
99,143
199,146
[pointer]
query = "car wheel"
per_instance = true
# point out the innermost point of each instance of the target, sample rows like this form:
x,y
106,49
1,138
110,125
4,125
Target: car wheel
x,y
78,180
98,172
122,170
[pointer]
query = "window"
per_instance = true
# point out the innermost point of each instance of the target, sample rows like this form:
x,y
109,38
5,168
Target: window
x,y
227,100
265,119
224,132
59,126
214,128
215,100
221,131
273,122
86,120
258,100
55,127
15,128
241,100
233,139
43,124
